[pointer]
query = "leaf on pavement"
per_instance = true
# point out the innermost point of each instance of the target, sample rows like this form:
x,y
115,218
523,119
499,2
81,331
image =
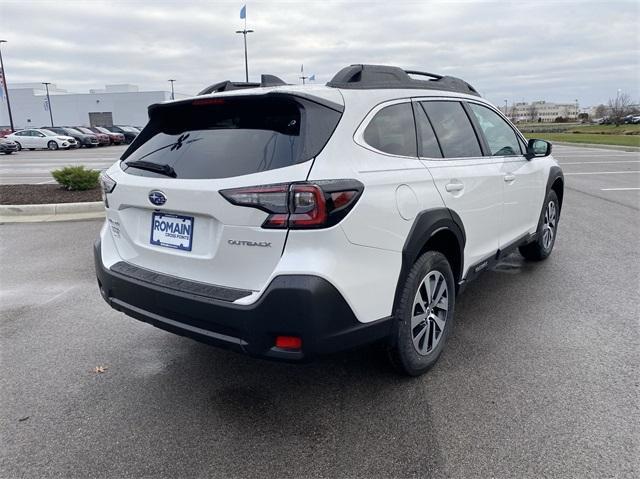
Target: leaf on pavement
x,y
100,369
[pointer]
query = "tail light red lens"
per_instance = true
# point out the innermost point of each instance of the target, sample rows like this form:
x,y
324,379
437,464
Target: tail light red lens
x,y
299,205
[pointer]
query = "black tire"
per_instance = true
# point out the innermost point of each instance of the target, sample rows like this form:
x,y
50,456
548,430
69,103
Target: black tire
x,y
541,248
8,152
19,146
404,355
52,145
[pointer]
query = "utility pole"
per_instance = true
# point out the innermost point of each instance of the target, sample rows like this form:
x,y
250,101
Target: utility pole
x,y
46,85
505,108
6,88
173,97
244,33
302,77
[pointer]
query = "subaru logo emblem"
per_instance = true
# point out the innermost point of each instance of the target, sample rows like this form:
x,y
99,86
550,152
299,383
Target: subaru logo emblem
x,y
157,198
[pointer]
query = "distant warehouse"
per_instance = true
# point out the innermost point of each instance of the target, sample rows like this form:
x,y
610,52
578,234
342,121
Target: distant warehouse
x,y
120,104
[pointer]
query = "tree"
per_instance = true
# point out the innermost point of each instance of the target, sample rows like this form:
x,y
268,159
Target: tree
x,y
620,106
532,112
601,111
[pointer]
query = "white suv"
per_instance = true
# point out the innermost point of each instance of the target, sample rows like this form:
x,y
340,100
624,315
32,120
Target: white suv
x,y
291,221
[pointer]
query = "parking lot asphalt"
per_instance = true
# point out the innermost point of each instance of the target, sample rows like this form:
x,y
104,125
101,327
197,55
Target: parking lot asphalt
x,y
35,166
540,378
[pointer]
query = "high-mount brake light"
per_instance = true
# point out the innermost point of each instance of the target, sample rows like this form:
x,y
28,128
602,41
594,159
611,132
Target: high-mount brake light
x,y
208,101
299,205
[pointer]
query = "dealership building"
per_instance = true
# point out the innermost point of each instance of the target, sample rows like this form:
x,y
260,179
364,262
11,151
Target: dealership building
x,y
121,104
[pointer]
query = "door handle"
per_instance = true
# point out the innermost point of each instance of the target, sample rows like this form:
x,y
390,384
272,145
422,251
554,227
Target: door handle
x,y
451,187
509,178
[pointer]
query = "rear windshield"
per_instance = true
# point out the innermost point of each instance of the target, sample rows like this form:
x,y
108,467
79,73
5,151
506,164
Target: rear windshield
x,y
232,136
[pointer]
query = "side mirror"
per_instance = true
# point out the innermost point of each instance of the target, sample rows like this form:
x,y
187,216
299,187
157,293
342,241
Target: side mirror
x,y
537,148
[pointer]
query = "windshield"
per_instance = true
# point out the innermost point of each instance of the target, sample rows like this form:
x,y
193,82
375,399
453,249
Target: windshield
x,y
102,129
221,138
86,130
73,130
129,129
49,133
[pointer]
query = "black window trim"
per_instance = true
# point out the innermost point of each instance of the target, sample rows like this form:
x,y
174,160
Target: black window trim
x,y
358,136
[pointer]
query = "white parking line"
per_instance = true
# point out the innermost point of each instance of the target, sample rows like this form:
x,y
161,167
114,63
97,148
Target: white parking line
x,y
602,172
597,162
619,189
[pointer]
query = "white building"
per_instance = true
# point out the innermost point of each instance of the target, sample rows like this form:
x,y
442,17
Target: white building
x,y
542,111
115,105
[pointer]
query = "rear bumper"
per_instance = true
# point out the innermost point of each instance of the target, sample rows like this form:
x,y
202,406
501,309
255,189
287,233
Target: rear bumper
x,y
293,305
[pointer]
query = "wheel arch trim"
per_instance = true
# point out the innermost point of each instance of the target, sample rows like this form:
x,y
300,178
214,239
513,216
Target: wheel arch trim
x,y
426,225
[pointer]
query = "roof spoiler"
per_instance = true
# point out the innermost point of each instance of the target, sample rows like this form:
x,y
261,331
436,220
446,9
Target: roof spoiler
x,y
227,85
369,77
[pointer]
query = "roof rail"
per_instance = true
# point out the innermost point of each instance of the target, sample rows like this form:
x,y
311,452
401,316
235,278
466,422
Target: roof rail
x,y
369,77
265,80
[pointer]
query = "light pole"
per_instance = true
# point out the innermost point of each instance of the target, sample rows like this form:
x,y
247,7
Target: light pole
x,y
6,88
505,108
46,85
173,97
246,64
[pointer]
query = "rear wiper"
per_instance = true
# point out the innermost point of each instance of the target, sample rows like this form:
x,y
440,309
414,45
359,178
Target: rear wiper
x,y
166,170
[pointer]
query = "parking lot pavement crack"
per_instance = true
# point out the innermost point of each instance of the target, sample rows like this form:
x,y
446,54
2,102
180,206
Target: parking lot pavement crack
x,y
602,198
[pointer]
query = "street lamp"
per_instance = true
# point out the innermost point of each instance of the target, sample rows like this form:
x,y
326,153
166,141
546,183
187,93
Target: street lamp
x,y
246,64
6,88
46,85
173,97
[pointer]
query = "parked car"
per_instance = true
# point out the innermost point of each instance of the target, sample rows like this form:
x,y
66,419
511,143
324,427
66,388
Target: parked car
x,y
114,138
7,146
82,139
38,138
129,132
635,120
103,139
297,221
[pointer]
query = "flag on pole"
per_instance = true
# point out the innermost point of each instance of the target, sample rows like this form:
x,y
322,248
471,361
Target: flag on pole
x,y
243,12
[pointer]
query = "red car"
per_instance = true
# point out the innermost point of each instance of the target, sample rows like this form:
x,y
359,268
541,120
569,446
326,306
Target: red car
x,y
116,138
102,138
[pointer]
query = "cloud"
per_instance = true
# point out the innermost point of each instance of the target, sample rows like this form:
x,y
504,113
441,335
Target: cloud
x,y
553,50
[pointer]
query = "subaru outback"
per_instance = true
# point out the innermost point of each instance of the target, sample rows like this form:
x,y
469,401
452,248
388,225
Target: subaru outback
x,y
290,221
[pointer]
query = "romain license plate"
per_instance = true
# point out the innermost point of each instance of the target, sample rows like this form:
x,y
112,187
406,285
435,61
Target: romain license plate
x,y
172,231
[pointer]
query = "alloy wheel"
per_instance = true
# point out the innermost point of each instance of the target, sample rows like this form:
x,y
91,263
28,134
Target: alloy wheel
x,y
429,312
549,225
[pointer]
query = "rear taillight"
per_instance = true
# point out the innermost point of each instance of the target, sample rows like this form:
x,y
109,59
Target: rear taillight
x,y
299,205
107,185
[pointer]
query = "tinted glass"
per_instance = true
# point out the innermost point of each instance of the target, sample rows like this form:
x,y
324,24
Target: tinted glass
x,y
501,138
393,130
453,129
427,142
221,138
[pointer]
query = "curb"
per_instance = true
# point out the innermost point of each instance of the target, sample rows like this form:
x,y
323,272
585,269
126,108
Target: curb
x,y
51,212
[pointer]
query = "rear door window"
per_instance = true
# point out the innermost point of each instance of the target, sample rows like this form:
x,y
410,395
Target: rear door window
x,y
428,146
453,129
232,136
392,130
501,138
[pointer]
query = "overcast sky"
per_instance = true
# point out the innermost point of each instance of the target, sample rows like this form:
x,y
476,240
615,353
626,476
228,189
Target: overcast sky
x,y
520,50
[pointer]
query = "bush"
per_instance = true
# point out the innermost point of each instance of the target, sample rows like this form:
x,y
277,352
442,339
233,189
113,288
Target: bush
x,y
76,178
